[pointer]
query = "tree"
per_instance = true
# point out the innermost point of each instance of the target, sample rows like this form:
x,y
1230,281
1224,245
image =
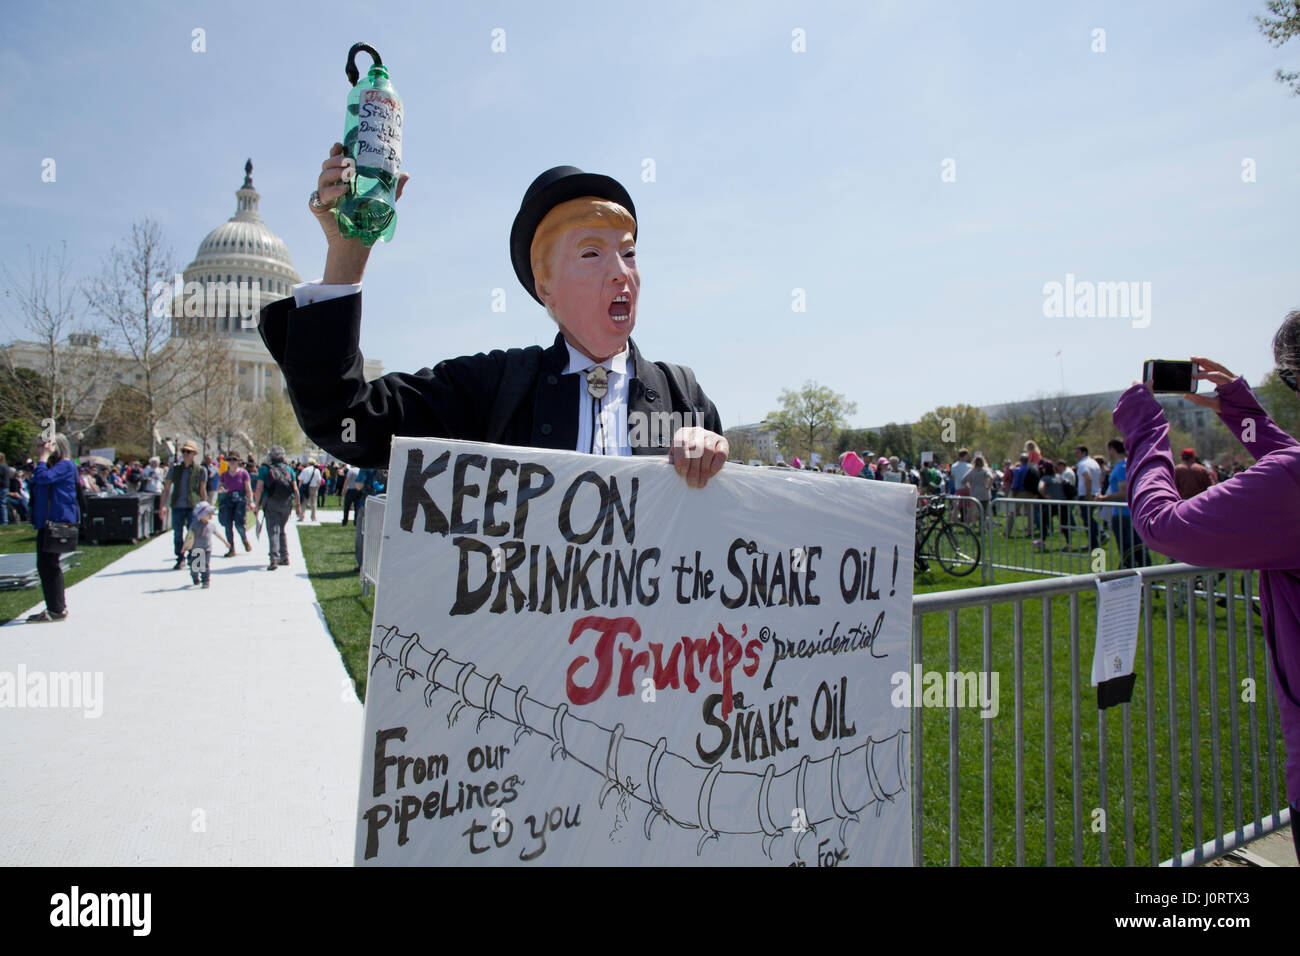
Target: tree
x,y
1060,421
17,439
1057,423
858,440
121,424
125,297
1284,25
274,423
948,428
74,371
810,419
897,440
1006,436
23,394
214,408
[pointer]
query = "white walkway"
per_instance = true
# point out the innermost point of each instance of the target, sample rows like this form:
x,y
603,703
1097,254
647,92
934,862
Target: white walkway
x,y
229,733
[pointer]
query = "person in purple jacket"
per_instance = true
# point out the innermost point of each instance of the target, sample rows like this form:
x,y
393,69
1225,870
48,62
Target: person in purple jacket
x,y
1251,522
54,498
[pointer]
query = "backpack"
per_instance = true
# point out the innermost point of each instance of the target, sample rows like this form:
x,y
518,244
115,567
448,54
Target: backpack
x,y
279,481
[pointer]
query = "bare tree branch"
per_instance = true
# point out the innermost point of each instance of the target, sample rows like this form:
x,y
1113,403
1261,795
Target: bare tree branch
x,y
130,297
76,369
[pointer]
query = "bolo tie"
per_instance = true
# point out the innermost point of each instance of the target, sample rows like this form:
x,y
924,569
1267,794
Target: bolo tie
x,y
598,388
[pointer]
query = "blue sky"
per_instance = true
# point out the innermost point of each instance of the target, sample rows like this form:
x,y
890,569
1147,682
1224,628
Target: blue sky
x,y
774,170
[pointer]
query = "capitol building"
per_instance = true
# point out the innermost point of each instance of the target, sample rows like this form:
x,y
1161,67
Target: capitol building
x,y
243,255
239,267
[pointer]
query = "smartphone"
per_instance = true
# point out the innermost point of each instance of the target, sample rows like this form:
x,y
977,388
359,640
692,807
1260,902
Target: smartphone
x,y
1169,376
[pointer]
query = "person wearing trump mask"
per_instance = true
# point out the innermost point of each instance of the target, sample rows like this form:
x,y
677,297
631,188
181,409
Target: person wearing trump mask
x,y
573,247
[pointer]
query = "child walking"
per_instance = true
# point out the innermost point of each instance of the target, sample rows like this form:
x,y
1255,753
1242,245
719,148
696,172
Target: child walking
x,y
198,543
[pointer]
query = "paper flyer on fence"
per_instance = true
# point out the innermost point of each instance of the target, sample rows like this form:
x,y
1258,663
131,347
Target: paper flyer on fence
x,y
1119,603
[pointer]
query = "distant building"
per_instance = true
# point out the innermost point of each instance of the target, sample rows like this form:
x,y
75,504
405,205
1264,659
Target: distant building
x,y
763,437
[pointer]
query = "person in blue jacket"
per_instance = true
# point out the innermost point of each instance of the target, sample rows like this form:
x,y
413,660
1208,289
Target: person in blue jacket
x,y
53,498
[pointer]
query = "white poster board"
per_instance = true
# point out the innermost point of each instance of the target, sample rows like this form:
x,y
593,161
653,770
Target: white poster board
x,y
581,660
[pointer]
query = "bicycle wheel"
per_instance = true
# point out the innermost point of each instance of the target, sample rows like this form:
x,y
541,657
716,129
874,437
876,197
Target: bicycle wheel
x,y
957,549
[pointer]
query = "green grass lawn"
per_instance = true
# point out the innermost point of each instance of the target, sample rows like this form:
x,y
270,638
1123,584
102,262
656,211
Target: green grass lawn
x,y
330,565
1262,791
20,538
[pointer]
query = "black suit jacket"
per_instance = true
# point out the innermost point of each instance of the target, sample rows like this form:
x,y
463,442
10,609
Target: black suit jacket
x,y
318,349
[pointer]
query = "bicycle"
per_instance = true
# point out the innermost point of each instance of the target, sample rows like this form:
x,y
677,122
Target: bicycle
x,y
955,546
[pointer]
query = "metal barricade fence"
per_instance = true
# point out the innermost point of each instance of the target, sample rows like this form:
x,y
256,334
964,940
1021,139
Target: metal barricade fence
x,y
372,540
1063,537
1156,775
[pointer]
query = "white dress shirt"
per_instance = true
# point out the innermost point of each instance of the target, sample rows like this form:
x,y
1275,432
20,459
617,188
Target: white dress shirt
x,y
609,427
305,293
606,433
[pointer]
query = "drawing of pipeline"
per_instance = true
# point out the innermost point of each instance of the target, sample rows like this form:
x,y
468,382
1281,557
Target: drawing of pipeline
x,y
802,797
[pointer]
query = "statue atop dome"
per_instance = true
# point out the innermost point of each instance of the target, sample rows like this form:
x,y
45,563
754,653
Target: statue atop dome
x,y
248,175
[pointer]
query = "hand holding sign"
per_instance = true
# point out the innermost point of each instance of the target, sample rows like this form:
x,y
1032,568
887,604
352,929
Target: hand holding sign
x,y
698,454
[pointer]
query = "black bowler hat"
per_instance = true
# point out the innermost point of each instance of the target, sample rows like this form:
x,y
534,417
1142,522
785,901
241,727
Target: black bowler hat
x,y
556,185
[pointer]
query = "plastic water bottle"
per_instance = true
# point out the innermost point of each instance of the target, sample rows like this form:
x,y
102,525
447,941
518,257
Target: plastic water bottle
x,y
372,136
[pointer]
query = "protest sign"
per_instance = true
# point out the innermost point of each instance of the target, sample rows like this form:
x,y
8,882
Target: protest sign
x,y
580,660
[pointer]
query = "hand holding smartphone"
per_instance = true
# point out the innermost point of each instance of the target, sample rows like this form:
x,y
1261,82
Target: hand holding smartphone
x,y
1164,375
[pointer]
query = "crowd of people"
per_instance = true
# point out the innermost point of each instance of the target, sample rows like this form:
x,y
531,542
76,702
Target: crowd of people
x,y
278,489
198,495
1085,477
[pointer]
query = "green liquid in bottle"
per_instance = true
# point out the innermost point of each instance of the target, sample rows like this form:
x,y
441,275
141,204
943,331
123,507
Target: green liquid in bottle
x,y
372,135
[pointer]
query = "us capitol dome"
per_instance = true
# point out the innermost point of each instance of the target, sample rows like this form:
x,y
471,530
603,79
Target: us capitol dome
x,y
242,256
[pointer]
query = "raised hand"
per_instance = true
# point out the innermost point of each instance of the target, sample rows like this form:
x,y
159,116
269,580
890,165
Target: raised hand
x,y
1211,372
345,261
